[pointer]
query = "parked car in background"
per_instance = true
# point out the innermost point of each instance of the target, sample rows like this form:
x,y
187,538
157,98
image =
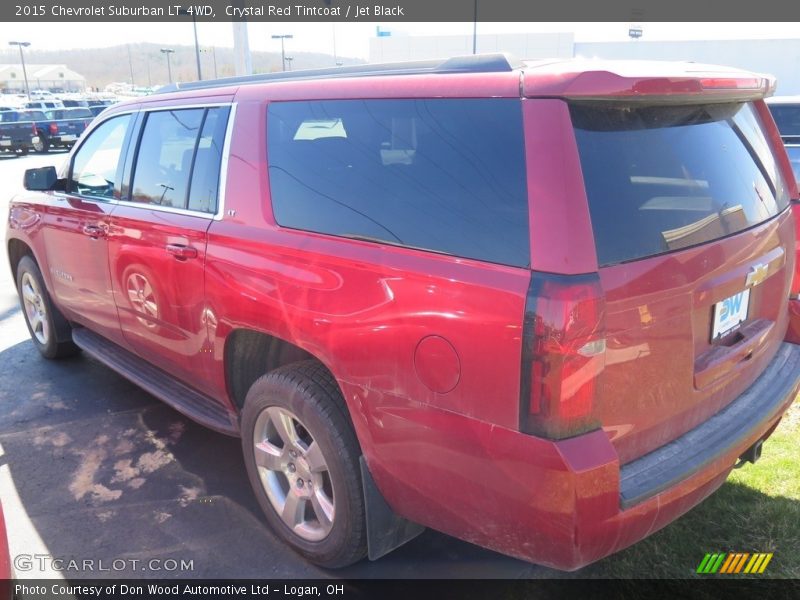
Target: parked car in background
x,y
541,307
16,137
96,109
786,112
44,104
70,103
59,128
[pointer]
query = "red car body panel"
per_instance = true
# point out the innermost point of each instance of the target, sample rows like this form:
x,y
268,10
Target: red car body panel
x,y
427,347
5,559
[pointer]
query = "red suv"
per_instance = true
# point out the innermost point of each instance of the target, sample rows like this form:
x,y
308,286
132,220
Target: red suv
x,y
540,307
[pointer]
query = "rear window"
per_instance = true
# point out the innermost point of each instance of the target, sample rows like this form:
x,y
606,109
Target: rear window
x,y
445,175
662,178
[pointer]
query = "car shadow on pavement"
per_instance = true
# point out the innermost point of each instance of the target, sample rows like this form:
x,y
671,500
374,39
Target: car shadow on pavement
x,y
103,471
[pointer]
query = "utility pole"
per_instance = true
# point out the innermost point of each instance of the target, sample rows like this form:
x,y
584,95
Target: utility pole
x,y
184,12
286,36
475,30
243,62
168,51
22,60
130,64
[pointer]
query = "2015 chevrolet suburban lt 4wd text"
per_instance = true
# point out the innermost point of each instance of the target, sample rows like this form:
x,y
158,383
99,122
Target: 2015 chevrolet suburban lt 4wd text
x,y
541,307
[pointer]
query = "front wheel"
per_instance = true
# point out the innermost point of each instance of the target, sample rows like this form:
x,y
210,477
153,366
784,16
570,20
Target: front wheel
x,y
43,319
301,455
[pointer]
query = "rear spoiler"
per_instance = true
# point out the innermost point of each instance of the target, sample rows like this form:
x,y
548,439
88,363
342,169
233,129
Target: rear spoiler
x,y
646,81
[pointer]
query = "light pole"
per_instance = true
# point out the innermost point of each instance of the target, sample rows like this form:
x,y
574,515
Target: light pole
x,y
168,51
289,60
22,59
213,51
283,52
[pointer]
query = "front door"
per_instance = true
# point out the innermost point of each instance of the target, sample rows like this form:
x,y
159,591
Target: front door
x,y
77,226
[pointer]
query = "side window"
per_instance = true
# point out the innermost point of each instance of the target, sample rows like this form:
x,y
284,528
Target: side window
x,y
164,158
94,167
444,175
178,160
205,173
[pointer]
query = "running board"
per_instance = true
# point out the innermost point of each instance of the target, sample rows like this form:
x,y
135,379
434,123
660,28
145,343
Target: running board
x,y
195,405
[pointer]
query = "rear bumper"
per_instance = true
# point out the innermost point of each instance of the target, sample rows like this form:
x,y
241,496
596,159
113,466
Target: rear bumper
x,y
569,503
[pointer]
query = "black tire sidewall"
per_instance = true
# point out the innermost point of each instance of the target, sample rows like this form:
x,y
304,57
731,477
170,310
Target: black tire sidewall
x,y
273,390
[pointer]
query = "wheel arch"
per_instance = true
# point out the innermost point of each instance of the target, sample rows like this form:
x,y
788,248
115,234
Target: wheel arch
x,y
16,250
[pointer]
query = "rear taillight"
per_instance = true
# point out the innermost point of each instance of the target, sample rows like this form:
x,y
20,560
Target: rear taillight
x,y
53,128
33,128
563,355
794,293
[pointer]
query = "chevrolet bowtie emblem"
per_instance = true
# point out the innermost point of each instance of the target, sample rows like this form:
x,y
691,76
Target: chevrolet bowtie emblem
x,y
756,275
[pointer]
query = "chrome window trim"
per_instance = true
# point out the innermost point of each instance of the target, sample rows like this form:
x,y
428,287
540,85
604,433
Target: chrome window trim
x,y
223,165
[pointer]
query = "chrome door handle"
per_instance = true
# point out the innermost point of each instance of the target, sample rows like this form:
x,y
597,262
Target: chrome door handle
x,y
94,231
180,251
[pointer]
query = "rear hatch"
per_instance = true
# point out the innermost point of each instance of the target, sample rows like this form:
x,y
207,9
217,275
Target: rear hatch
x,y
695,248
688,196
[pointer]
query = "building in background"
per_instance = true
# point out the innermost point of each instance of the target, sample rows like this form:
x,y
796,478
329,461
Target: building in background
x,y
779,57
54,78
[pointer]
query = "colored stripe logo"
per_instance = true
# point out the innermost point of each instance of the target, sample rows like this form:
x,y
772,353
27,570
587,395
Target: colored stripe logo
x,y
734,562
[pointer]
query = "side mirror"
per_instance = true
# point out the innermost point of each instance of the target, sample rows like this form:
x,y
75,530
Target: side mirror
x,y
42,179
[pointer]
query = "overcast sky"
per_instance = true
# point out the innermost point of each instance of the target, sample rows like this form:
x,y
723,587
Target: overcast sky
x,y
352,39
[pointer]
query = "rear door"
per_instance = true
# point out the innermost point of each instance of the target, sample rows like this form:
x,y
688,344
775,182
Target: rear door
x,y
696,254
158,241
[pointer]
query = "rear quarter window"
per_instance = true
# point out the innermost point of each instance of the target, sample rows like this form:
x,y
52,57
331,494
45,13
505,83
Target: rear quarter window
x,y
444,175
662,178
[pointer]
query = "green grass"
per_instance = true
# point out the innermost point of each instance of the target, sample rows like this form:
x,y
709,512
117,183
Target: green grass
x,y
756,510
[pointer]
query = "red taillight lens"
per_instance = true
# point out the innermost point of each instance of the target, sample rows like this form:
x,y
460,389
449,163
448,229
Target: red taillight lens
x,y
53,128
33,128
563,355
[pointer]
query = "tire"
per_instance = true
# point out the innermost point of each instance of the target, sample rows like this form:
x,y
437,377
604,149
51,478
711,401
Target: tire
x,y
306,396
23,151
45,323
43,145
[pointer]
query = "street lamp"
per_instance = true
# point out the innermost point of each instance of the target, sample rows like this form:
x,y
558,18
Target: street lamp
x,y
289,60
283,52
168,51
22,59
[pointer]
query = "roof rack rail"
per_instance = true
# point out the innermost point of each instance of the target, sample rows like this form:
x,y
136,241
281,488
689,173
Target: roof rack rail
x,y
477,63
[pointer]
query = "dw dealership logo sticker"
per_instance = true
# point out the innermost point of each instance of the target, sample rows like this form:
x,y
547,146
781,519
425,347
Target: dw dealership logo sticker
x,y
734,562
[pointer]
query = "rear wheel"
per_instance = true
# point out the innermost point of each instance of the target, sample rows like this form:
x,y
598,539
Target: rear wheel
x,y
302,456
43,145
43,319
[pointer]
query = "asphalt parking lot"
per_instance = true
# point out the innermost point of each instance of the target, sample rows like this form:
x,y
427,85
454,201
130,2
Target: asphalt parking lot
x,y
92,468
